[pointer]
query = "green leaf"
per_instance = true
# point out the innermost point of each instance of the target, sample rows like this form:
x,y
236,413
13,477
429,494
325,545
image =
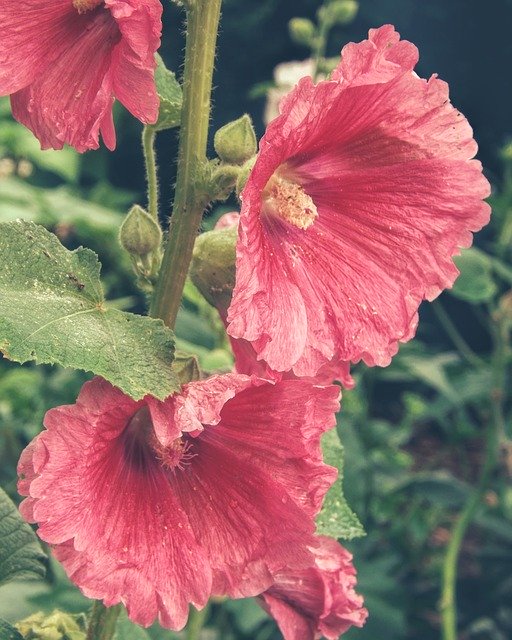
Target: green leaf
x,y
475,283
127,630
336,518
23,144
53,311
7,632
21,556
171,97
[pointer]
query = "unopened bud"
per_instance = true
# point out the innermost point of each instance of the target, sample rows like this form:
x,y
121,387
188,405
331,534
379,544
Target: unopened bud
x,y
302,31
213,266
140,234
223,181
338,12
56,626
186,367
236,142
243,176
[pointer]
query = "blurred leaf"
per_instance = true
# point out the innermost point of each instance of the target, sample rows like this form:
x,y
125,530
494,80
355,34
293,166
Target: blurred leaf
x,y
127,630
431,370
21,556
21,143
247,613
336,518
475,283
7,632
440,488
171,98
53,311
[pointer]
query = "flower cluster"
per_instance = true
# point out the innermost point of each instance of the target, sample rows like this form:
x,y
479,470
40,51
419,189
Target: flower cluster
x,y
363,190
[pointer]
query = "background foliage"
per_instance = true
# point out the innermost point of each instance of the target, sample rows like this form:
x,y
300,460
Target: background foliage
x,y
415,434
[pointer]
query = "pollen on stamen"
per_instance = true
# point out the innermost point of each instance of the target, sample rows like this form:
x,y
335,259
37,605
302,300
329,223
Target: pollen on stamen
x,y
176,455
82,6
290,202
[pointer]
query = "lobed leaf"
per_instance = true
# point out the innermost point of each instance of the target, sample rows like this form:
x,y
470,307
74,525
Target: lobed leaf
x,y
53,311
171,97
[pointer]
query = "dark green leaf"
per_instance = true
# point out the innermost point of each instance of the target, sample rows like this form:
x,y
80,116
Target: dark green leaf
x,y
336,518
53,311
21,556
7,632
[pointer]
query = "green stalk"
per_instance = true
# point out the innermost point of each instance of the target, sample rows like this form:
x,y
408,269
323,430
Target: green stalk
x,y
148,147
102,621
190,200
495,430
196,622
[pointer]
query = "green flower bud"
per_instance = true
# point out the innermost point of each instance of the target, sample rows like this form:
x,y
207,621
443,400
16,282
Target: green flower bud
x,y
139,233
186,367
302,31
235,142
213,266
57,626
223,181
244,175
338,12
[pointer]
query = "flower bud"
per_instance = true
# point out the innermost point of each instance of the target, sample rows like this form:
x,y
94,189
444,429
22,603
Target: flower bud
x,y
302,31
236,142
223,181
139,233
244,175
338,12
56,626
213,266
186,367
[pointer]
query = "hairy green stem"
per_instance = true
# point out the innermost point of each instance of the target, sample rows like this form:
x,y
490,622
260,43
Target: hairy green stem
x,y
190,200
196,623
102,621
452,331
148,147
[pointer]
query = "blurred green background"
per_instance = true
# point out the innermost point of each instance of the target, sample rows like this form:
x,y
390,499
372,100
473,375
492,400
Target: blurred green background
x,y
415,433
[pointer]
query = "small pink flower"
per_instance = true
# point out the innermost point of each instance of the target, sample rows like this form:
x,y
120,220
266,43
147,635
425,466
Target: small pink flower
x,y
64,61
363,190
319,601
162,504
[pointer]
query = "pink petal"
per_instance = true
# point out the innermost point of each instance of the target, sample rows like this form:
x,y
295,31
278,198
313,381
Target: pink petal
x,y
386,161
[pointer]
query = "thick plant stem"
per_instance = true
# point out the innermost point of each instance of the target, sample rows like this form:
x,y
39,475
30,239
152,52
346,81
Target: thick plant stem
x,y
102,621
148,147
190,199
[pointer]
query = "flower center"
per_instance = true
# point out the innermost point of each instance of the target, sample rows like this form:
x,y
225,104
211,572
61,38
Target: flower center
x,y
82,6
141,444
289,201
177,455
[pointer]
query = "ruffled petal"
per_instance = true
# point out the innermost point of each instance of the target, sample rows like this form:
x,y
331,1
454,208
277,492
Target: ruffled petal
x,y
72,99
386,161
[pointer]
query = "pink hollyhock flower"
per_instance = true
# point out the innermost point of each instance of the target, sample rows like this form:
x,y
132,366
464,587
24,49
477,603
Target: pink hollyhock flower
x,y
319,601
362,192
64,61
161,504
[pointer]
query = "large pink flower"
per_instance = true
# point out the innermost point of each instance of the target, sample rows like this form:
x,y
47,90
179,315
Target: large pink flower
x,y
319,601
362,192
64,61
160,504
